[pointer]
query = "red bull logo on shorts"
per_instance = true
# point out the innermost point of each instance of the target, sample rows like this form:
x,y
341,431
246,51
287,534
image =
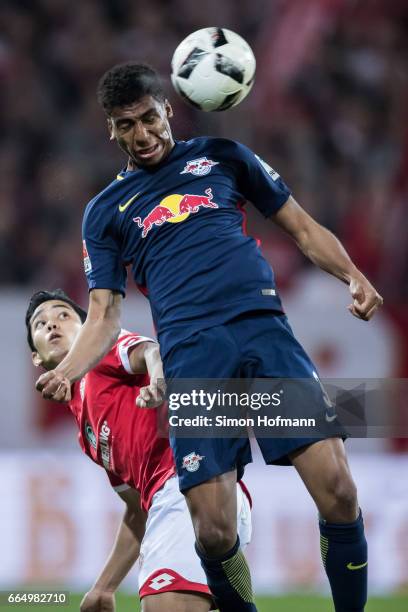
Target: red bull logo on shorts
x,y
175,208
199,167
191,462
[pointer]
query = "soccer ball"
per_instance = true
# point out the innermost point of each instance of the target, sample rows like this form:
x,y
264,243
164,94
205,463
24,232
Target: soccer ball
x,y
213,69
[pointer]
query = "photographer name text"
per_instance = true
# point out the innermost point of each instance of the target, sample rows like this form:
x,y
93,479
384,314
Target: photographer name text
x,y
223,421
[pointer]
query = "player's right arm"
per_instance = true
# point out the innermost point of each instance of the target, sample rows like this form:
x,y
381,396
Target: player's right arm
x,y
145,358
123,556
96,338
106,277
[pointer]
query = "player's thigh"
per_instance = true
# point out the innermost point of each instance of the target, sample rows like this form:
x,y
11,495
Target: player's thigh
x,y
211,353
324,469
168,558
213,506
273,352
176,602
232,499
320,462
269,347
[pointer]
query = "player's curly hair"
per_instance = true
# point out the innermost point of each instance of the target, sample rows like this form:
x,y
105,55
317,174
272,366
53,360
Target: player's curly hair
x,y
127,83
45,296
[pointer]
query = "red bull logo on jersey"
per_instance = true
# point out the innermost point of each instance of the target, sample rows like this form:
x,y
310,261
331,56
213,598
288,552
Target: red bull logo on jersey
x,y
175,208
191,462
199,167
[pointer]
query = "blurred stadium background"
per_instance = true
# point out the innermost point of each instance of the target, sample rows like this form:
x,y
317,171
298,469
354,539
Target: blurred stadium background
x,y
329,111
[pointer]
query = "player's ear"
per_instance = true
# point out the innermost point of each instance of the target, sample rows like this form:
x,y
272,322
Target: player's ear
x,y
168,109
37,361
110,129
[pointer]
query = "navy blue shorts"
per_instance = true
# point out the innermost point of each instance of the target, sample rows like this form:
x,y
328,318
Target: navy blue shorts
x,y
253,345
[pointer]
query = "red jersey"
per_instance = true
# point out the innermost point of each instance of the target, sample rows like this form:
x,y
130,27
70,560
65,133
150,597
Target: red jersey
x,y
113,431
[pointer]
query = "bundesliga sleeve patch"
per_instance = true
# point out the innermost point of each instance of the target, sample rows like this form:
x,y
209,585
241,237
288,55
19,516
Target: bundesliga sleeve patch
x,y
87,259
272,173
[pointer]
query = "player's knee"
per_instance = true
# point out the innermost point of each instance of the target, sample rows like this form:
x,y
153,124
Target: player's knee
x,y
214,539
346,498
341,504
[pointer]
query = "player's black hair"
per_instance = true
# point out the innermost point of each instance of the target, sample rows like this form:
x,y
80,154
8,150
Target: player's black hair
x,y
45,296
127,83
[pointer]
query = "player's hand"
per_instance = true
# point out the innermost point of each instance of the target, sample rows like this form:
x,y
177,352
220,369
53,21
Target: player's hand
x,y
366,300
54,385
153,395
98,601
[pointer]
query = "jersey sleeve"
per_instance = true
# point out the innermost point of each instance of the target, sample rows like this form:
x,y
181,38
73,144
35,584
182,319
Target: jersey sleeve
x,y
124,346
258,182
116,483
116,363
103,264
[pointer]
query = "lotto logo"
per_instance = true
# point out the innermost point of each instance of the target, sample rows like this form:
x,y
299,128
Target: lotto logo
x,y
161,581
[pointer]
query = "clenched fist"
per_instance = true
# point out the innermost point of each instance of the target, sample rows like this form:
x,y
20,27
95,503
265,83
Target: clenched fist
x,y
54,385
98,601
366,299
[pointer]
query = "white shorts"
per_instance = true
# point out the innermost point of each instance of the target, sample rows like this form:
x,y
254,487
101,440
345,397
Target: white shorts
x,y
168,561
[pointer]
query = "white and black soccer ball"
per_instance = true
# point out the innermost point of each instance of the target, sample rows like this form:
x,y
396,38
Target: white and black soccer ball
x,y
213,69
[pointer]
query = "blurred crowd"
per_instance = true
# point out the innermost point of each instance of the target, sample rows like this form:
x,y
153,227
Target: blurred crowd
x,y
328,110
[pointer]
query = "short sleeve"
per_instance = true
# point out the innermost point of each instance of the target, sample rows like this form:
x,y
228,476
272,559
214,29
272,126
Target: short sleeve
x,y
259,183
124,346
116,483
103,264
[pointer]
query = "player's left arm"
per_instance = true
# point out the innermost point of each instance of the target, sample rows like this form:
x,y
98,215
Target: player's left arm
x,y
145,359
122,558
326,251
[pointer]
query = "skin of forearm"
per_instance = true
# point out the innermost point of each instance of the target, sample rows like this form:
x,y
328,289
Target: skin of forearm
x,y
123,556
153,362
326,251
94,340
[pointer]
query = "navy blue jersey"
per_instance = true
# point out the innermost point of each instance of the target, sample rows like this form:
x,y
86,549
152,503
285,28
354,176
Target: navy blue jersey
x,y
180,226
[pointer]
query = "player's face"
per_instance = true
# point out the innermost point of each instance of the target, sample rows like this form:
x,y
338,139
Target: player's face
x,y
54,327
142,130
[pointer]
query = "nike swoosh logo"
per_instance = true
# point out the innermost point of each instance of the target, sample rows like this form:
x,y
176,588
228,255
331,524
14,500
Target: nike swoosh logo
x,y
123,207
330,419
351,566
